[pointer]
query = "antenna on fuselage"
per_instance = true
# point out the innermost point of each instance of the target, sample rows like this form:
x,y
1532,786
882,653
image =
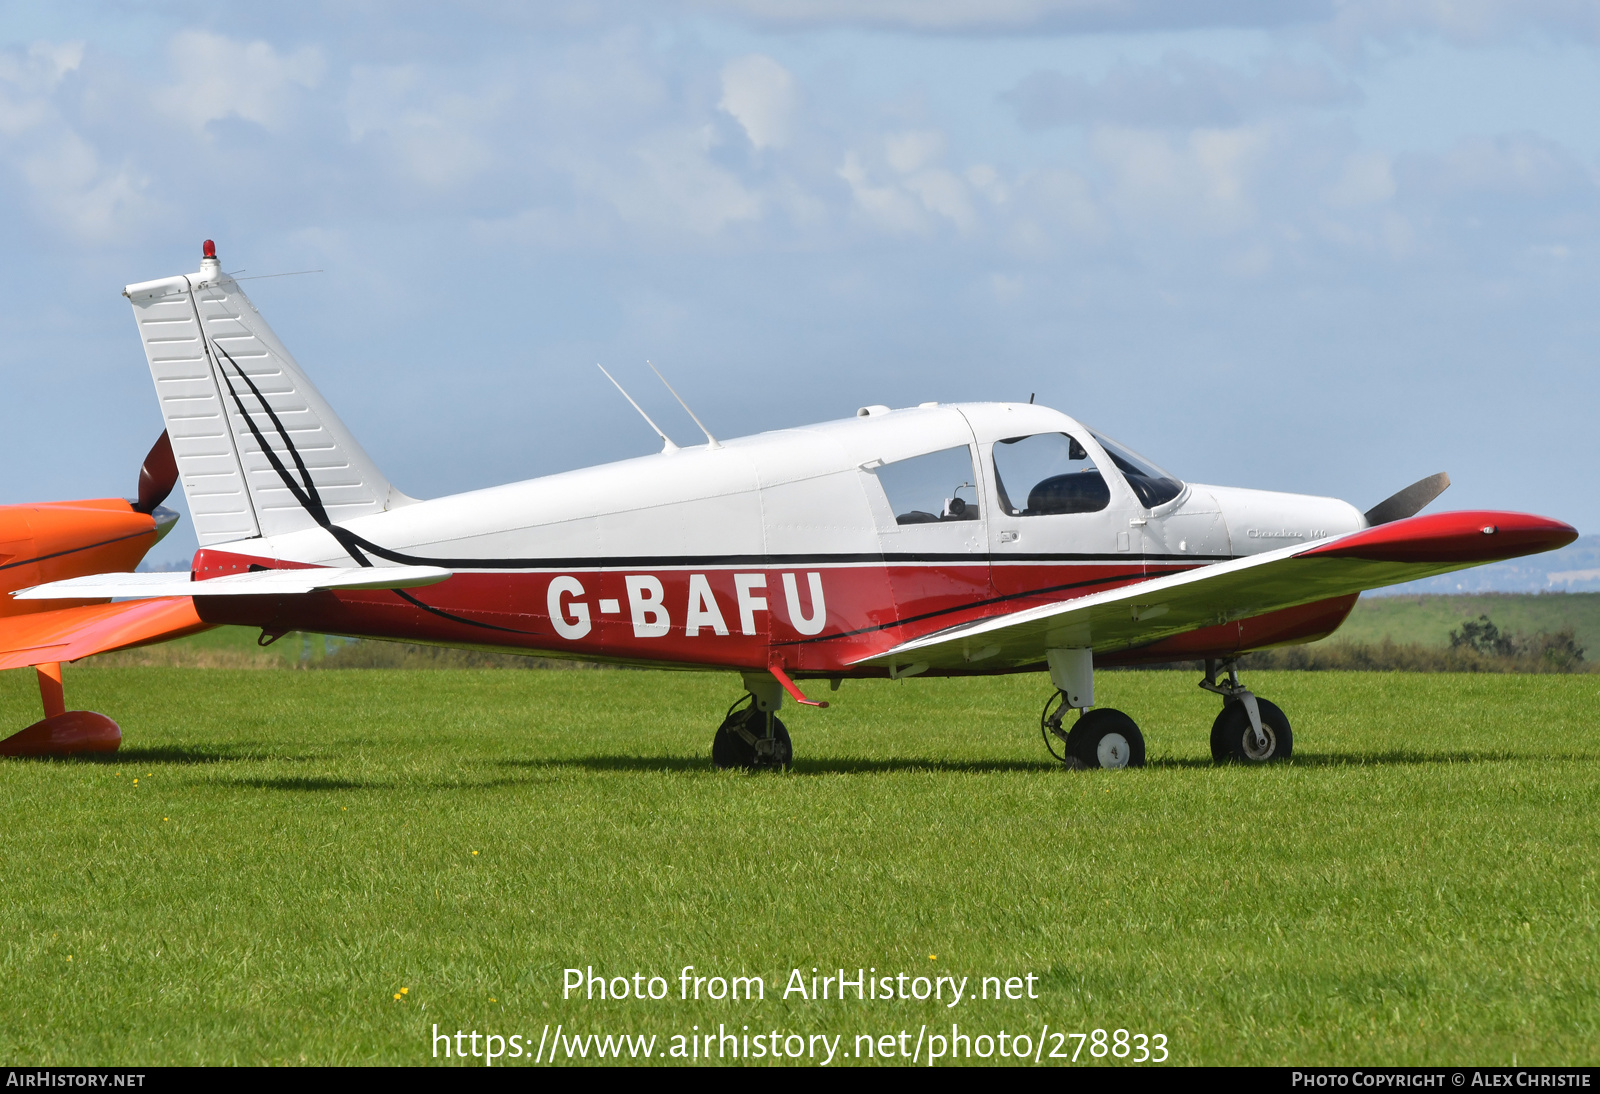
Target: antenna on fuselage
x,y
714,443
668,448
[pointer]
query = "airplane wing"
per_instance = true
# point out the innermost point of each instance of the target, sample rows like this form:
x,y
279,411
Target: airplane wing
x,y
67,634
256,583
1146,612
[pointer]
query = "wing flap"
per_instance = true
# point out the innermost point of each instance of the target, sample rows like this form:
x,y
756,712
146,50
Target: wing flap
x,y
293,582
1146,612
67,634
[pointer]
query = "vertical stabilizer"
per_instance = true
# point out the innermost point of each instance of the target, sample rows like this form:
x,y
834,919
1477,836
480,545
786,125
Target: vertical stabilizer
x,y
258,450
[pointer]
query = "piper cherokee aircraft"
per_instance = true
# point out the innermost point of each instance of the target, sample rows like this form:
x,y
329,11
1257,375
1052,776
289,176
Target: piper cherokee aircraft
x,y
52,540
936,540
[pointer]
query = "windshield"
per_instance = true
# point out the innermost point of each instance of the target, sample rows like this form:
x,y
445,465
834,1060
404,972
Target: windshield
x,y
1150,484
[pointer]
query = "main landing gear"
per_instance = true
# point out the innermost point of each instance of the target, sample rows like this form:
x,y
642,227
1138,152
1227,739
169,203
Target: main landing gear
x,y
1103,738
62,732
1249,730
751,736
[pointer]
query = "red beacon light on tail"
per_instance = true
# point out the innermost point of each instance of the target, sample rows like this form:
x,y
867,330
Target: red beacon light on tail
x,y
208,249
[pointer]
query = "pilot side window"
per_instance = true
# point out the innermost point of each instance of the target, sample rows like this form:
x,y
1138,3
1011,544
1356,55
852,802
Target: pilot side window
x,y
931,488
1047,474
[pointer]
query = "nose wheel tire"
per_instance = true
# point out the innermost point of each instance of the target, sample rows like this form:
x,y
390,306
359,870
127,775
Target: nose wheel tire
x,y
1106,739
1232,740
744,741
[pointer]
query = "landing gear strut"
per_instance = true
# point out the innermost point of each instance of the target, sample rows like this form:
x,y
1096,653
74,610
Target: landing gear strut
x,y
1249,729
751,736
1103,738
62,732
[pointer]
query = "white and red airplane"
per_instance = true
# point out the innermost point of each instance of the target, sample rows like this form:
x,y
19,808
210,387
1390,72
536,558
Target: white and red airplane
x,y
962,539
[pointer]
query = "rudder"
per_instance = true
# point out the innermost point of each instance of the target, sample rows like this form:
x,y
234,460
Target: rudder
x,y
259,451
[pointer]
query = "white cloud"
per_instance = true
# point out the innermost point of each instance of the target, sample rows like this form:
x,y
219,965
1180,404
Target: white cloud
x,y
908,151
438,136
1199,182
986,180
1471,22
760,94
72,187
923,187
889,207
679,187
1516,163
1180,90
68,186
1366,179
39,70
1052,202
945,16
220,78
28,79
943,193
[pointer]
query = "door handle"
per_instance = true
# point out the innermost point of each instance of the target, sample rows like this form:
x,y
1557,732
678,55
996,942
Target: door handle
x,y
1009,537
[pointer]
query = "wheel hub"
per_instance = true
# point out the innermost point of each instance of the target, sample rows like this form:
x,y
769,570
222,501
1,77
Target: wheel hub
x,y
1262,751
1113,751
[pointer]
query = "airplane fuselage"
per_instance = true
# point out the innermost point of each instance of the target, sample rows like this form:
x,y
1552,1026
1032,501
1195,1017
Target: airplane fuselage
x,y
813,548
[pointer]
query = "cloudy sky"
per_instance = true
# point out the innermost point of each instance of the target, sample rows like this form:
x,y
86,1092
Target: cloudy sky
x,y
1320,246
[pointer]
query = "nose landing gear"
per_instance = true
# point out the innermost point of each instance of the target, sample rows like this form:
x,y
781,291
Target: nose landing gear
x,y
1249,729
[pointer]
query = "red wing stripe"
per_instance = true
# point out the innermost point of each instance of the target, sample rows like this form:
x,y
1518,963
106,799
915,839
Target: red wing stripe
x,y
1471,536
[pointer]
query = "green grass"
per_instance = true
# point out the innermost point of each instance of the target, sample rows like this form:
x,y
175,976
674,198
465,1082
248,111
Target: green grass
x,y
228,647
1428,620
1419,886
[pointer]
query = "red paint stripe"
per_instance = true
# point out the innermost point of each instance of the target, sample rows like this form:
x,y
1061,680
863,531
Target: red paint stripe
x,y
1470,536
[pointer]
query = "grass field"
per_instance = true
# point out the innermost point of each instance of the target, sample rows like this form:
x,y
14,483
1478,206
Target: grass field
x,y
1418,886
1428,620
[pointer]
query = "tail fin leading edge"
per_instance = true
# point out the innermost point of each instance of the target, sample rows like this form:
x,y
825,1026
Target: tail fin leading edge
x,y
258,449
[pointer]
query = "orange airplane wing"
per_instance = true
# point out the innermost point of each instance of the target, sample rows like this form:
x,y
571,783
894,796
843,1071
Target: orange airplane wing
x,y
66,634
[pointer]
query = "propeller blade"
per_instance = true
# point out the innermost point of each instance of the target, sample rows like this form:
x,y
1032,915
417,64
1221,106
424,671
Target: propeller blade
x,y
1408,502
158,476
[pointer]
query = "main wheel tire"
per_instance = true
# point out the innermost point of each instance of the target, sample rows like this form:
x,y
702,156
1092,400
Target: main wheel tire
x,y
730,749
1107,739
1231,739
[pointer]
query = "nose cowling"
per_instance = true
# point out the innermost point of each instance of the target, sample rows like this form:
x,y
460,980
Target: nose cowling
x,y
50,541
1264,520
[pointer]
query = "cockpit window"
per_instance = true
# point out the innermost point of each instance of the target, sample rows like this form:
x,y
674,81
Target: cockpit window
x,y
1047,474
931,488
1150,484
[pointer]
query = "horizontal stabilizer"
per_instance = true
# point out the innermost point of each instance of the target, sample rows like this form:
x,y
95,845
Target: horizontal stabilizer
x,y
258,583
1408,502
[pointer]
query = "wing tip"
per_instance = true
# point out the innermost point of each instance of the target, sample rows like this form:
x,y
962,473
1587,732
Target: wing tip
x,y
1468,536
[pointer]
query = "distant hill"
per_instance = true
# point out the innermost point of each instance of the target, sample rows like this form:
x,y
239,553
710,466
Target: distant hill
x,y
1573,569
1428,619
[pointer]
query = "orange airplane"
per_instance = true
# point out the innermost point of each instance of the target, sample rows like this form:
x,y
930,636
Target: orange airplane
x,y
54,540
